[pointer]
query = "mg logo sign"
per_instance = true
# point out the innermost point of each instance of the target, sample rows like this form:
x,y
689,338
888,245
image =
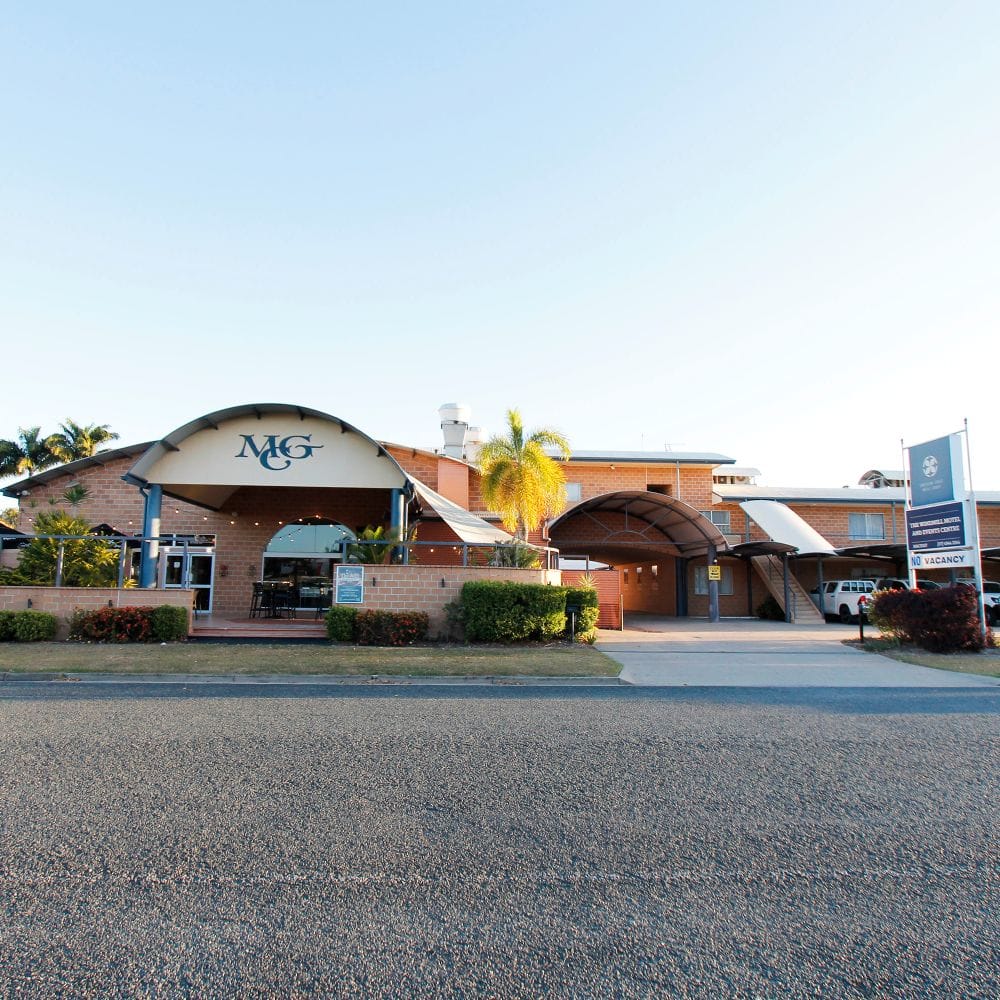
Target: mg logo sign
x,y
930,466
275,453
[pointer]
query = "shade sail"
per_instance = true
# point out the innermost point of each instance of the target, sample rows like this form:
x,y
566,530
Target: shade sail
x,y
783,525
464,523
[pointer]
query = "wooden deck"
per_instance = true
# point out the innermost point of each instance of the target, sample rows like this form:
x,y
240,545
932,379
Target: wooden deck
x,y
216,627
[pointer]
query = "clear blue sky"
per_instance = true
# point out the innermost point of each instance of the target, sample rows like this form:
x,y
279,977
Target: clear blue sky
x,y
770,230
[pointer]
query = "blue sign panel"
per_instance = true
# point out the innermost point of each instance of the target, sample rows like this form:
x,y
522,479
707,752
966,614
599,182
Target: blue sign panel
x,y
931,474
350,584
931,529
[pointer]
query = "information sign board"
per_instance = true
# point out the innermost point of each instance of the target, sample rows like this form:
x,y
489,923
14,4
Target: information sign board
x,y
715,572
350,584
932,528
936,471
952,559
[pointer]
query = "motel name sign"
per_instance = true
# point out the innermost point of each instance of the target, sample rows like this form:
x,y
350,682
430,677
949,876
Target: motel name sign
x,y
276,454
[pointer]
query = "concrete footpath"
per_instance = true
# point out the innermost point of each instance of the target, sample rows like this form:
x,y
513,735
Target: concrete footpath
x,y
672,652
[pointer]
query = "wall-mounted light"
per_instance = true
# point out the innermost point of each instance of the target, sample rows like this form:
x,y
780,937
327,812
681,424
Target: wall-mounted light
x,y
442,582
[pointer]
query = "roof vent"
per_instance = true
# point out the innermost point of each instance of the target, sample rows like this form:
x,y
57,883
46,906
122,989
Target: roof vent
x,y
454,424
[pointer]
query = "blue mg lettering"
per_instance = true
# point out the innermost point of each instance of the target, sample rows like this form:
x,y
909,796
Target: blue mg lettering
x,y
275,455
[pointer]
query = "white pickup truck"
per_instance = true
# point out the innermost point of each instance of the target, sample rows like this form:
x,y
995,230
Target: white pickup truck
x,y
840,598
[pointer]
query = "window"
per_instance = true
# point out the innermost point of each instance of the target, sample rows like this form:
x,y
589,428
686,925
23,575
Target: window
x,y
638,576
720,518
701,581
866,526
663,488
574,492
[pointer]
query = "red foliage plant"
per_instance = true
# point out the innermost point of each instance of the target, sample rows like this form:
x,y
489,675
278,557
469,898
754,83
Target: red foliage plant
x,y
940,621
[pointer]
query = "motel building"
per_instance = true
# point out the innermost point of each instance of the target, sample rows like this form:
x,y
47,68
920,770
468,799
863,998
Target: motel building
x,y
266,499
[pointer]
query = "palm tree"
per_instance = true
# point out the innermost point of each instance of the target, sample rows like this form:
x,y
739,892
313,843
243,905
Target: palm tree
x,y
521,482
79,440
29,453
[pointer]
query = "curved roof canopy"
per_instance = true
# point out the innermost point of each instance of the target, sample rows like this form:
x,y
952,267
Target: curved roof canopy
x,y
265,444
634,526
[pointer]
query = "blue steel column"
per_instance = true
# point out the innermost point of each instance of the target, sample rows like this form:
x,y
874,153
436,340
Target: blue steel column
x,y
713,588
150,529
681,586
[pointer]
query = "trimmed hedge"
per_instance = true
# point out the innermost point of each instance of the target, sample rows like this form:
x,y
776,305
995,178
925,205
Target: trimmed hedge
x,y
585,598
940,621
391,628
341,622
497,611
376,628
169,623
27,626
129,624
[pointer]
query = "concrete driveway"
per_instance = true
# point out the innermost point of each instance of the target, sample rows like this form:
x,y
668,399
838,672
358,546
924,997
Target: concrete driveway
x,y
677,652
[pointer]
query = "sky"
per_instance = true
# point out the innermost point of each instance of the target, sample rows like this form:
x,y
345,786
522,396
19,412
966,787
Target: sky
x,y
768,230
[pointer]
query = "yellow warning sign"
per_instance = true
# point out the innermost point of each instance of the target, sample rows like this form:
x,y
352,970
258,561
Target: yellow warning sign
x,y
715,572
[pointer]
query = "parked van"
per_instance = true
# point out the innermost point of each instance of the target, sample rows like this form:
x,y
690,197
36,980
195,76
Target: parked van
x,y
841,597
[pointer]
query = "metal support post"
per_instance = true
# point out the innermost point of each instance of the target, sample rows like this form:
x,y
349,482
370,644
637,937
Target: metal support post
x,y
713,587
788,589
151,532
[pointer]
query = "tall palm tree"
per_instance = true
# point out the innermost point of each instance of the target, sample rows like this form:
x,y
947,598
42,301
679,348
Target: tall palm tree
x,y
28,453
79,440
521,482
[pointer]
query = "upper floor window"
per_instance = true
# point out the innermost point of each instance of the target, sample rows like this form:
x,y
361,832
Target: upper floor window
x,y
868,527
574,492
720,518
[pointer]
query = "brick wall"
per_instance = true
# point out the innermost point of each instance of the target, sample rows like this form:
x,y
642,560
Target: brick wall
x,y
63,601
430,588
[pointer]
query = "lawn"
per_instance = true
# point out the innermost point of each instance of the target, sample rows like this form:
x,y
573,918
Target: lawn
x,y
987,664
560,660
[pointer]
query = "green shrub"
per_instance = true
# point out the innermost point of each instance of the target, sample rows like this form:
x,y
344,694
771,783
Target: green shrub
x,y
498,611
341,622
7,626
769,610
34,626
940,621
585,598
391,628
168,623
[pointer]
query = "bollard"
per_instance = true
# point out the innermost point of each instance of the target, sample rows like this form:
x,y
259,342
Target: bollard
x,y
862,601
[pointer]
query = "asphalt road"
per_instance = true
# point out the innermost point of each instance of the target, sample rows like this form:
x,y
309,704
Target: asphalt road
x,y
397,841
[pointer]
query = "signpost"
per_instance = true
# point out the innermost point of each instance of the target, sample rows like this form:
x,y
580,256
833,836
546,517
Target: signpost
x,y
942,524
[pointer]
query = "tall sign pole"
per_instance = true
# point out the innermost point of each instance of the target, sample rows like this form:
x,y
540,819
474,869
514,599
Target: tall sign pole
x,y
977,569
942,523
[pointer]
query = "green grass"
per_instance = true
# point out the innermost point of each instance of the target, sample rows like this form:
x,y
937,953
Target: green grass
x,y
987,664
244,658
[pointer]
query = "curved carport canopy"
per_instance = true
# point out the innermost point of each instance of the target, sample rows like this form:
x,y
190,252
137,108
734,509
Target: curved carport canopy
x,y
634,526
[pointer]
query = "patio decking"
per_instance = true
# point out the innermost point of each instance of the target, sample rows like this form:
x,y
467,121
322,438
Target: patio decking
x,y
235,627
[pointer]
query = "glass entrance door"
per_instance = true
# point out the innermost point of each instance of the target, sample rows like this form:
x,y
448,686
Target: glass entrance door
x,y
190,569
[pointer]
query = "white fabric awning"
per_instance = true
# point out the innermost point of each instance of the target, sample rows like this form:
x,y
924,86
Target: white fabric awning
x,y
464,523
785,526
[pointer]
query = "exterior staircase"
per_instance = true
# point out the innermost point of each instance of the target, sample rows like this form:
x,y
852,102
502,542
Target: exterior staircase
x,y
771,570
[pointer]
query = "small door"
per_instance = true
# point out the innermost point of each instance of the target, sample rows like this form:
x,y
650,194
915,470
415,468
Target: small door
x,y
190,570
